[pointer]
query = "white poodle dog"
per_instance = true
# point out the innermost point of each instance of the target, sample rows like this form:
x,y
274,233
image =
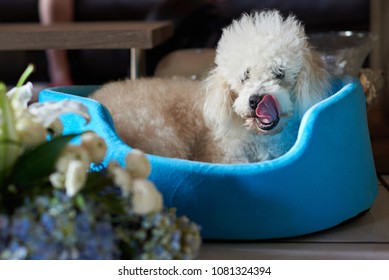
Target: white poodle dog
x,y
247,109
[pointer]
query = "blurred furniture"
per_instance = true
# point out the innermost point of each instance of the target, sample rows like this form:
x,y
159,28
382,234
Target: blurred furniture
x,y
379,116
197,24
92,35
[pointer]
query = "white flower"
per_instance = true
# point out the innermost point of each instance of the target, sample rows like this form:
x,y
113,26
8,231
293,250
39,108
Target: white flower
x,y
20,96
95,145
120,177
72,153
30,131
55,128
75,177
48,112
146,198
137,164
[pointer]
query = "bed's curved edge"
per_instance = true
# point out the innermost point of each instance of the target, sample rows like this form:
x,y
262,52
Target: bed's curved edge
x,y
346,85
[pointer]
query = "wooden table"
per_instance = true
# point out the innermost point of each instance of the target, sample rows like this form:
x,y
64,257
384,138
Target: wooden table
x,y
135,36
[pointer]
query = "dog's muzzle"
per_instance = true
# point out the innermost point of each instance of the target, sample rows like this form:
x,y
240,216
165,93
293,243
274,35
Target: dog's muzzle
x,y
267,111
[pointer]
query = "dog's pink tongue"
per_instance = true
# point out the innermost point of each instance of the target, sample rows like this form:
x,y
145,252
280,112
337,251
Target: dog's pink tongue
x,y
268,109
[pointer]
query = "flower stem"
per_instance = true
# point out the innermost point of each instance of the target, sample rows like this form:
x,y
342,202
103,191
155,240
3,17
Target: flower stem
x,y
9,149
23,78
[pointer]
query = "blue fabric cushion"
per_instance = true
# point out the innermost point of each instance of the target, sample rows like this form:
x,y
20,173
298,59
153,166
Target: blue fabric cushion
x,y
326,178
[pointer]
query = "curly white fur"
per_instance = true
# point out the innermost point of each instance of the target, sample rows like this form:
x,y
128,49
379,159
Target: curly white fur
x,y
248,108
262,53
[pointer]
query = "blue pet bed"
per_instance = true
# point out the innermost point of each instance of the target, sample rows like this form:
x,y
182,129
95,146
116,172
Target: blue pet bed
x,y
326,178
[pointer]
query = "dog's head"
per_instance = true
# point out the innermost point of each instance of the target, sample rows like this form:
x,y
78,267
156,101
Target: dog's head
x,y
265,72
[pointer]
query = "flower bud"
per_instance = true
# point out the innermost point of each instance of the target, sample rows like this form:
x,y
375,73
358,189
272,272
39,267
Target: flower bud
x,y
70,154
120,177
95,146
57,180
76,176
146,198
138,165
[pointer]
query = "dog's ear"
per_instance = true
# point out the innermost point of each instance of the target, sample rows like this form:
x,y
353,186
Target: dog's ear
x,y
218,102
312,82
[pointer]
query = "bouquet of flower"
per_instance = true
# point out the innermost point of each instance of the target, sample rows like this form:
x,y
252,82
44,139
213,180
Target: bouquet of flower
x,y
54,206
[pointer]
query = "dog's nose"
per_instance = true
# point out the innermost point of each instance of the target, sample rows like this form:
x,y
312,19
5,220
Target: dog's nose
x,y
254,100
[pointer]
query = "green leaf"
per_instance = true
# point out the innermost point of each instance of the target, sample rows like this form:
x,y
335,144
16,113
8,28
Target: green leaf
x,y
39,162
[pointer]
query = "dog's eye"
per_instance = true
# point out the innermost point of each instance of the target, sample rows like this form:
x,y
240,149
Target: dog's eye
x,y
245,76
279,73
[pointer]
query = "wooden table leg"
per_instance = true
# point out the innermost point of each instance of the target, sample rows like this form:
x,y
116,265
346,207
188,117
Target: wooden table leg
x,y
134,67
